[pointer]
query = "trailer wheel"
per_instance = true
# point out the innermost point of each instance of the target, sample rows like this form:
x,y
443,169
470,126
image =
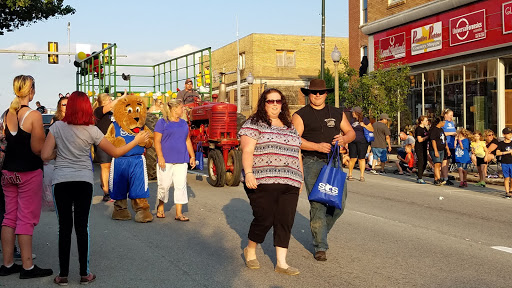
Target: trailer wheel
x,y
216,168
235,160
151,160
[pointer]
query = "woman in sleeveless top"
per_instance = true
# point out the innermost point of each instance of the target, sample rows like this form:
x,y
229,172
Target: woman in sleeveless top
x,y
22,180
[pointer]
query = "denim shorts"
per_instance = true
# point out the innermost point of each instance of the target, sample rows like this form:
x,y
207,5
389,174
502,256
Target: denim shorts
x,y
380,153
437,159
463,165
507,170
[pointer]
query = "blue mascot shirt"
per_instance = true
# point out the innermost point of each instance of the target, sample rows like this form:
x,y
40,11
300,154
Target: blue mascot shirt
x,y
128,137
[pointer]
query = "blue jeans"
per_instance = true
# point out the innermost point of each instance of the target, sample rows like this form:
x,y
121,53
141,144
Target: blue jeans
x,y
322,217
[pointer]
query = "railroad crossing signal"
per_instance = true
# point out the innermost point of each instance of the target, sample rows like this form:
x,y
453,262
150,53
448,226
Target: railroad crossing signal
x,y
53,58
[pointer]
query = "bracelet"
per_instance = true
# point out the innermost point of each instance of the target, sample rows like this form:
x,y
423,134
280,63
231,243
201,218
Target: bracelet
x,y
192,157
250,172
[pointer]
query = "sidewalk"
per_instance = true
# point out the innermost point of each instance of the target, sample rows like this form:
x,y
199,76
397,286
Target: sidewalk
x,y
390,167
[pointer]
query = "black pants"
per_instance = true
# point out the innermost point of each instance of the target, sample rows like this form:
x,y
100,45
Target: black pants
x,y
422,161
273,205
77,194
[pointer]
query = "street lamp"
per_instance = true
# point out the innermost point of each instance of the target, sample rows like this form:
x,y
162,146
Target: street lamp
x,y
250,80
336,56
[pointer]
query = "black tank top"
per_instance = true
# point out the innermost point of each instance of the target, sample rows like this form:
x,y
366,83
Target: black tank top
x,y
320,126
18,153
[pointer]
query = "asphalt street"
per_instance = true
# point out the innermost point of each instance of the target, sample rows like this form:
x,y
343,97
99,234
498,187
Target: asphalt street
x,y
394,233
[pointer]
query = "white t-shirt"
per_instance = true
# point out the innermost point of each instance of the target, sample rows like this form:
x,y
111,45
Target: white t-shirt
x,y
73,143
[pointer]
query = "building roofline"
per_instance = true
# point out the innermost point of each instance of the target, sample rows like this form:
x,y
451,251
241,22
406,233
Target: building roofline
x,y
415,13
277,35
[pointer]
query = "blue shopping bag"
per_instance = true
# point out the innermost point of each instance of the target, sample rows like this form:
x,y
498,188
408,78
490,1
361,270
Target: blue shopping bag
x,y
368,135
199,156
330,183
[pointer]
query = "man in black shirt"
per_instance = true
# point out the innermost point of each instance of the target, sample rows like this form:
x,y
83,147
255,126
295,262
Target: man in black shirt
x,y
320,126
41,108
505,151
438,148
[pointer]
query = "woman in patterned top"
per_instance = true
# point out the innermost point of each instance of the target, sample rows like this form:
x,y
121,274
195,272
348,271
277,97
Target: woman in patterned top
x,y
273,176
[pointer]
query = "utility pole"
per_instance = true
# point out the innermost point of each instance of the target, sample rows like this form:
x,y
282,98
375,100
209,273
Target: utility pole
x,y
69,42
322,57
238,96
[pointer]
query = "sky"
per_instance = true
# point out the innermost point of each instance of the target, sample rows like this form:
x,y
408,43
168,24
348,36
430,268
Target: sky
x,y
152,31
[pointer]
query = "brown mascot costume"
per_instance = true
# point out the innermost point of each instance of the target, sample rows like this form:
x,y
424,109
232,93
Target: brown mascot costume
x,y
128,175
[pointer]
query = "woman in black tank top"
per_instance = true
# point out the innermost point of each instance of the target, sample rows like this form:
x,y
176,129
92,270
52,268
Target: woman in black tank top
x,y
22,180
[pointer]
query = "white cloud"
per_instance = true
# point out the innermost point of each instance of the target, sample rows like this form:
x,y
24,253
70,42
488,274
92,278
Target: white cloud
x,y
27,46
152,58
20,64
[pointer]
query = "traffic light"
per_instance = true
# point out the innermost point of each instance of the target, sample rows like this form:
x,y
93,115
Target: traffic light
x,y
53,58
106,52
199,80
207,77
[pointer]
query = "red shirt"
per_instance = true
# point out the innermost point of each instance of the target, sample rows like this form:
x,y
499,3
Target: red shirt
x,y
411,160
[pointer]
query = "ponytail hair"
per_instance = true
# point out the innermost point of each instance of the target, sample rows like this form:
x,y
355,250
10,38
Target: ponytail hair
x,y
166,109
100,100
23,86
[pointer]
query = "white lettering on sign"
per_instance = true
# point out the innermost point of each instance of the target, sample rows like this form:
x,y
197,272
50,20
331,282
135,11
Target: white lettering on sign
x,y
467,28
328,189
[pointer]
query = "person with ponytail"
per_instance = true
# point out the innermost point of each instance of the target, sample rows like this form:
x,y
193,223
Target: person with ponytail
x,y
174,151
22,180
103,115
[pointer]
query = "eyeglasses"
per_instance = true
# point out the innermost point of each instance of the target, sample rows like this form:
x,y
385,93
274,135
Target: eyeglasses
x,y
274,101
188,83
314,92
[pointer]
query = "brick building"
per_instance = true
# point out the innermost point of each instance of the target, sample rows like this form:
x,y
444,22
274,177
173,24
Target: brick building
x,y
362,12
460,53
285,62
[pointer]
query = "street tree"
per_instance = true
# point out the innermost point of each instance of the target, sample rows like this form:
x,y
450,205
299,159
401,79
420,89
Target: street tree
x,y
383,90
18,13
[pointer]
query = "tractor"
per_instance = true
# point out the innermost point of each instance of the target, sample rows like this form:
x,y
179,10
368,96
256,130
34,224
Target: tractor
x,y
213,125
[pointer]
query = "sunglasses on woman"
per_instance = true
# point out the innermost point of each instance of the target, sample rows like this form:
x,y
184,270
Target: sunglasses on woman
x,y
275,101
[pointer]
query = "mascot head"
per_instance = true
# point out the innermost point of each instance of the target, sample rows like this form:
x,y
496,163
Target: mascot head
x,y
130,113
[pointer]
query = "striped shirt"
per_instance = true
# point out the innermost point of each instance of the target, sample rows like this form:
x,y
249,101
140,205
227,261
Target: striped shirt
x,y
276,155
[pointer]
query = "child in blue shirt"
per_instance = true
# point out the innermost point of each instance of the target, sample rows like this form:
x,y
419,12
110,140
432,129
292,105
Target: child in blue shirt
x,y
462,157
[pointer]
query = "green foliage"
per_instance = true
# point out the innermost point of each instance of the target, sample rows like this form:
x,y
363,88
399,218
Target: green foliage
x,y
381,91
18,13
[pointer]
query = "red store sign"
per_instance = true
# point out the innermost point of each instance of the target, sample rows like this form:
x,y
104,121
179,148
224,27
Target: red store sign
x,y
467,28
480,26
392,47
506,14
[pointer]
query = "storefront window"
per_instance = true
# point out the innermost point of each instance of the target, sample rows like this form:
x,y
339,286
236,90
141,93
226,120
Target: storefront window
x,y
433,93
508,92
414,98
454,94
481,96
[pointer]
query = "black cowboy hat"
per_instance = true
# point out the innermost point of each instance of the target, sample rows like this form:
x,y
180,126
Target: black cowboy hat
x,y
316,85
